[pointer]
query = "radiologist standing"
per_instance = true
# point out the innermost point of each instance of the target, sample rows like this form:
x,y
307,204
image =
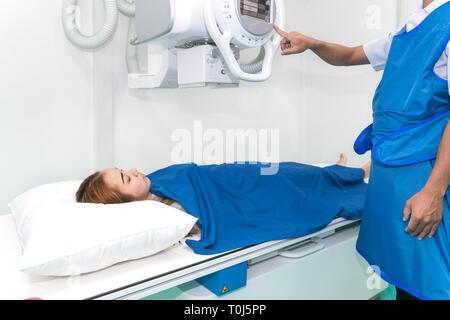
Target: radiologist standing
x,y
405,228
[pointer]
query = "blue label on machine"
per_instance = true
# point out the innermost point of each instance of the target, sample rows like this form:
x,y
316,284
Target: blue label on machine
x,y
226,280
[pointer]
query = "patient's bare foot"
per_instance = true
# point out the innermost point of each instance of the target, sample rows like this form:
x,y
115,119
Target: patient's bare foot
x,y
342,160
366,169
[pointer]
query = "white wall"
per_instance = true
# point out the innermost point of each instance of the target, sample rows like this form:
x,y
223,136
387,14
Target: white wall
x,y
406,7
66,113
45,99
338,100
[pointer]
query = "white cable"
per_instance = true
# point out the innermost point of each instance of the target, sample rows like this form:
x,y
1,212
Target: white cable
x,y
256,65
132,50
98,39
127,8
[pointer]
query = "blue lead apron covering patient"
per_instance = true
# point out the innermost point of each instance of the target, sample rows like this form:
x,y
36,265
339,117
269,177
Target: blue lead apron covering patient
x,y
411,109
238,207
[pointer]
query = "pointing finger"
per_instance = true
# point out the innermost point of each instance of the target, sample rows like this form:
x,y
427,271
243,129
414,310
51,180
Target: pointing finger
x,y
280,32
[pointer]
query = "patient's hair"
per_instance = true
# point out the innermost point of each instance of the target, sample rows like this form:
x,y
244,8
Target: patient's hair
x,y
95,190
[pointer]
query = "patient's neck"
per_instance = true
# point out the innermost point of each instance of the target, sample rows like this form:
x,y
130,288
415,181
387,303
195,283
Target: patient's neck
x,y
426,3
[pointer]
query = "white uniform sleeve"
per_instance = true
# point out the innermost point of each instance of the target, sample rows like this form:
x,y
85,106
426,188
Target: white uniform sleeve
x,y
377,51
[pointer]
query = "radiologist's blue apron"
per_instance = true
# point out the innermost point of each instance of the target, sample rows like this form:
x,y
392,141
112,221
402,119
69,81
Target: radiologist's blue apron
x,y
411,109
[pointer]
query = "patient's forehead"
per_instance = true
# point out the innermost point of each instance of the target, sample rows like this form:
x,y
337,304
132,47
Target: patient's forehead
x,y
112,176
111,171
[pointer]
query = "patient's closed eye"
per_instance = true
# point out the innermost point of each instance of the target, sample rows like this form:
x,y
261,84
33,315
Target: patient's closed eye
x,y
127,176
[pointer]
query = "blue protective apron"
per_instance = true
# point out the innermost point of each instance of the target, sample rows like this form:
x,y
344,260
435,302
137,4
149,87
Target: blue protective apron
x,y
411,109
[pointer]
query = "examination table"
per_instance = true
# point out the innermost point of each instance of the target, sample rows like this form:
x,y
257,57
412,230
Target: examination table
x,y
322,265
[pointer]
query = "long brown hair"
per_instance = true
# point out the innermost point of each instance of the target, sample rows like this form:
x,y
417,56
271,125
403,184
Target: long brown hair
x,y
95,190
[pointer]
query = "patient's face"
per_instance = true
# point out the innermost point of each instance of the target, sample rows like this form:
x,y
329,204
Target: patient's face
x,y
128,182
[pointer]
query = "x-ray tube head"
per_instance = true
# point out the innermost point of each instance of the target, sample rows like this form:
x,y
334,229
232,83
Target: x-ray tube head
x,y
179,21
227,24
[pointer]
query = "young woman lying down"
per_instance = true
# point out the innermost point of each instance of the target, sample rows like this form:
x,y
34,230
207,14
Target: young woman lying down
x,y
235,204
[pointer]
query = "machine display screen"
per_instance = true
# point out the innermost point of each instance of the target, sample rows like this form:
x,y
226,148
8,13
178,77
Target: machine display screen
x,y
258,9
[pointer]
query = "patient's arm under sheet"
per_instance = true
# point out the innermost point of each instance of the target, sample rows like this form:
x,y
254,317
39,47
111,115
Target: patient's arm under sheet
x,y
237,206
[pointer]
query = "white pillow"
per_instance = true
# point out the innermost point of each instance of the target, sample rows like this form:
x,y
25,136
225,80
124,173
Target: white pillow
x,y
61,237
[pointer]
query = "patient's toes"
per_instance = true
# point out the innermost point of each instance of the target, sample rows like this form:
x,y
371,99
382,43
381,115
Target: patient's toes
x,y
342,160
